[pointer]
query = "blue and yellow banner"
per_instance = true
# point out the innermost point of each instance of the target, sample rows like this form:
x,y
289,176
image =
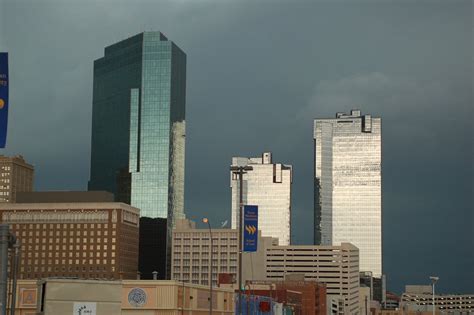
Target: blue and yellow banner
x,y
3,98
250,228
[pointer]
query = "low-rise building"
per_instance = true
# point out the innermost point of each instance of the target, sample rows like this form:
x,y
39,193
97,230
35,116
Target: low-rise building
x,y
303,297
126,297
335,266
173,298
420,298
191,255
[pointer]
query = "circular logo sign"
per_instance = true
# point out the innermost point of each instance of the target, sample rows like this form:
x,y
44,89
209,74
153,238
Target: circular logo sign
x,y
137,297
2,103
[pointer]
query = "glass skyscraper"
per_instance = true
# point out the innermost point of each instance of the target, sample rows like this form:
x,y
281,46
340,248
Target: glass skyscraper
x,y
138,125
348,185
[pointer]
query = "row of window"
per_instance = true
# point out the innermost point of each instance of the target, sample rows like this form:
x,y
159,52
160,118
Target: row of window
x,y
206,255
70,226
86,240
65,233
64,254
37,262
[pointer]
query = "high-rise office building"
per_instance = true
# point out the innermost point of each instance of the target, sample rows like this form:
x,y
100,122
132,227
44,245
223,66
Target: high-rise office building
x,y
267,185
348,186
15,176
138,125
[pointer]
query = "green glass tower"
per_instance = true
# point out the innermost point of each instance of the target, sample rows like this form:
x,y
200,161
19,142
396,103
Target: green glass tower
x,y
138,125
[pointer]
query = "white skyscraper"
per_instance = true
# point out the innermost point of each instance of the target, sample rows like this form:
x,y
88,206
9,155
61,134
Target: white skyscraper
x,y
348,185
268,186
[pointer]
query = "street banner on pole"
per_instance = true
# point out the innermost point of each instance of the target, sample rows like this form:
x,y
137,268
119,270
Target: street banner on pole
x,y
3,98
250,228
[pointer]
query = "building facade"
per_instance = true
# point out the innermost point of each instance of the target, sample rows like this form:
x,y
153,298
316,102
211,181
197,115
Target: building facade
x,y
419,298
127,297
86,240
191,255
348,185
303,297
64,196
15,176
335,266
267,185
138,124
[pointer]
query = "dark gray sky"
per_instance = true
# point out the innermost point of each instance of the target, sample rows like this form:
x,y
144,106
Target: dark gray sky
x,y
258,73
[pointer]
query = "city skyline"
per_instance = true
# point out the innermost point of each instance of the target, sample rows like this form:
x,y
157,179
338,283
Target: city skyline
x,y
416,75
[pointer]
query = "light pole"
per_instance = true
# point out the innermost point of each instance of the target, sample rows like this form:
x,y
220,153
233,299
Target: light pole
x,y
206,220
240,170
433,282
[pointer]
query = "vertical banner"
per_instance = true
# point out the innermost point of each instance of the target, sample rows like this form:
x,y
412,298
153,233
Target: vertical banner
x,y
250,228
3,98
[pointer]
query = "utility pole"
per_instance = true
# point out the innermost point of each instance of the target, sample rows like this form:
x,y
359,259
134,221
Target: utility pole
x,y
240,171
4,244
206,220
8,241
433,282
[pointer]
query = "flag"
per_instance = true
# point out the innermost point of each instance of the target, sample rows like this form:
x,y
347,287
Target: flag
x,y
250,228
3,98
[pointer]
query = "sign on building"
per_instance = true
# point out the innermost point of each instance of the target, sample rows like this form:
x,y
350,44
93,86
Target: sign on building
x,y
85,308
250,228
3,98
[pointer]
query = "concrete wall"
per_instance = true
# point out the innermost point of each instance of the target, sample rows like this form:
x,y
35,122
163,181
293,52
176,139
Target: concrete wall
x,y
173,298
60,295
127,297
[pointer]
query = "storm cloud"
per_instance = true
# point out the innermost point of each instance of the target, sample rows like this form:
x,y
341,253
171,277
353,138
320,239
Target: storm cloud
x,y
258,73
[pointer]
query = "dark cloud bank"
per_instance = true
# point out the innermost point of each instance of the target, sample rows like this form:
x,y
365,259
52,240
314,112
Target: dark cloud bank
x,y
257,75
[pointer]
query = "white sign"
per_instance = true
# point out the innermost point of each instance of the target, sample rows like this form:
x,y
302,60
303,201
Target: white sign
x,y
85,308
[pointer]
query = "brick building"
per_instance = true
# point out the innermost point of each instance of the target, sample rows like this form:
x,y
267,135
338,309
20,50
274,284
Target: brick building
x,y
84,240
304,297
15,176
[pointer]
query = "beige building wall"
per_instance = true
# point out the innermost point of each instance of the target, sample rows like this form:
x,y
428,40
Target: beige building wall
x,y
61,295
335,266
191,255
173,298
126,297
364,300
15,176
